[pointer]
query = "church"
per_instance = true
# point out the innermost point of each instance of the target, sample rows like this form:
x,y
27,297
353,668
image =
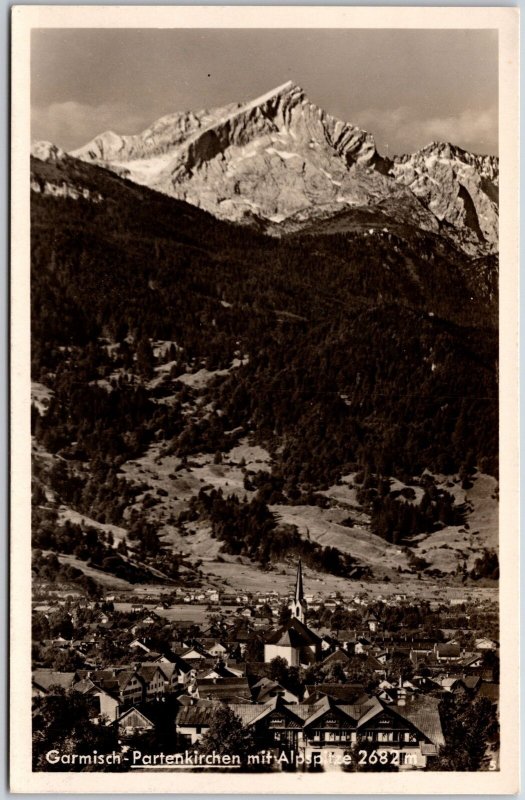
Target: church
x,y
294,641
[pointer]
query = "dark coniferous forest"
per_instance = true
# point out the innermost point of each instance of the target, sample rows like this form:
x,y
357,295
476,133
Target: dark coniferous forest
x,y
375,354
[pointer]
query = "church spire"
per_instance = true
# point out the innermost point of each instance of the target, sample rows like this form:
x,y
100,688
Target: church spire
x,y
298,604
299,593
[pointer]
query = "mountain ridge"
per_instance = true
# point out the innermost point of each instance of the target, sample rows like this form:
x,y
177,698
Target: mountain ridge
x,y
280,155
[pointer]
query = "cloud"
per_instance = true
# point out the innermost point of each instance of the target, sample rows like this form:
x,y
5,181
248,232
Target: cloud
x,y
71,124
402,129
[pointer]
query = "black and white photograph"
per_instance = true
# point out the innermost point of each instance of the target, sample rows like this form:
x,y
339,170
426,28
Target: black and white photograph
x,y
262,466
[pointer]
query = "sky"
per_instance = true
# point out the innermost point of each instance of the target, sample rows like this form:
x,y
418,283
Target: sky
x,y
406,87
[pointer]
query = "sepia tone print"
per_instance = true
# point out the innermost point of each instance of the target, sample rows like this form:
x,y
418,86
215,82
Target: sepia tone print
x,y
264,402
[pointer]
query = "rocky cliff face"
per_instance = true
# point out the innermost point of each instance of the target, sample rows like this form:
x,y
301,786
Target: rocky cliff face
x,y
459,188
281,157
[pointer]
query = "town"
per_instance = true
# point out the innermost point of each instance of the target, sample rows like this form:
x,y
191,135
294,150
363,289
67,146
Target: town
x,y
297,682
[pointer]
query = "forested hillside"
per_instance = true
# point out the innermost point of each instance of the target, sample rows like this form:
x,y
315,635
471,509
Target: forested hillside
x,y
369,350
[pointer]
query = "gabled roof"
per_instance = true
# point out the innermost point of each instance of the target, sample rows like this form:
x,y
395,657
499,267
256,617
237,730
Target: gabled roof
x,y
449,649
423,713
84,686
226,689
264,686
327,704
147,671
294,634
342,692
134,710
124,676
471,659
448,683
250,713
375,707
174,658
45,678
337,657
196,715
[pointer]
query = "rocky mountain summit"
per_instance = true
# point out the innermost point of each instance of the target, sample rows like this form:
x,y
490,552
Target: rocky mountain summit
x,y
280,157
47,151
460,188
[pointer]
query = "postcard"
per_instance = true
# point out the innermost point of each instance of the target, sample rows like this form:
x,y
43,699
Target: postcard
x,y
264,384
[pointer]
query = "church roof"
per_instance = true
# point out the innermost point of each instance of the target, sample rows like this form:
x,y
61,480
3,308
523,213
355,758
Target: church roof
x,y
293,634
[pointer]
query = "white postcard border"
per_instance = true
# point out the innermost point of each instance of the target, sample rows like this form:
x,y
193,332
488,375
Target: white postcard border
x,y
26,17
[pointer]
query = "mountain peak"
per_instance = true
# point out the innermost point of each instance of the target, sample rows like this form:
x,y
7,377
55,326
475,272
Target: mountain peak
x,y
284,88
47,151
279,155
288,90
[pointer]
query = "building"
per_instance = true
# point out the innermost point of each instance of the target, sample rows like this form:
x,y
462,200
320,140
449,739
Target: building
x,y
295,642
408,733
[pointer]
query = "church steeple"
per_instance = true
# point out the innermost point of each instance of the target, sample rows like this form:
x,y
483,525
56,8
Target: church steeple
x,y
298,604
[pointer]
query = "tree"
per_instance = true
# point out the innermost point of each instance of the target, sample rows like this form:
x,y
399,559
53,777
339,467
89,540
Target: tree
x,y
254,648
469,729
63,722
285,614
145,357
227,735
278,670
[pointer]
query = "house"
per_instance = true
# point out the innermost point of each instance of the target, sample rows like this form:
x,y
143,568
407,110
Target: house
x,y
382,656
413,729
106,703
337,657
372,620
450,684
214,647
133,722
192,721
153,679
220,670
410,732
362,645
158,715
340,692
130,686
225,690
265,689
194,652
424,683
473,661
174,667
448,652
